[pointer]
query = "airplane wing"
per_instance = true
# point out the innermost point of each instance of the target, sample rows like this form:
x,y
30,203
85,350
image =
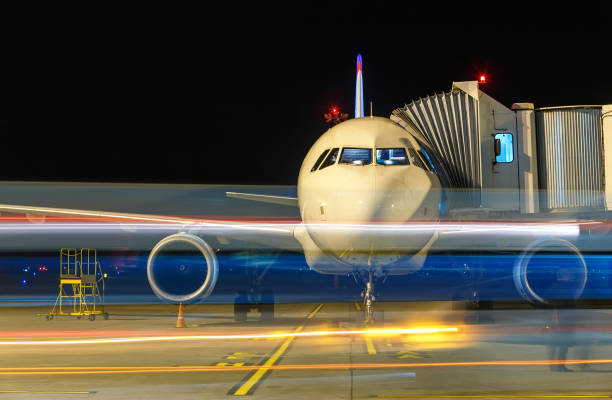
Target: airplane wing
x,y
92,214
286,201
224,232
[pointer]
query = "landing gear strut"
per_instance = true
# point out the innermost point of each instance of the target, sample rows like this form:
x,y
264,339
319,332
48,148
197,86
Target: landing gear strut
x,y
368,300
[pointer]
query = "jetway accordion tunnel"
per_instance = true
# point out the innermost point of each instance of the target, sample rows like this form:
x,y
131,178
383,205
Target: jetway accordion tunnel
x,y
554,158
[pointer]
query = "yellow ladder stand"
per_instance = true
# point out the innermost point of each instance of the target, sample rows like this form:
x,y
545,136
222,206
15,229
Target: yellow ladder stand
x,y
79,288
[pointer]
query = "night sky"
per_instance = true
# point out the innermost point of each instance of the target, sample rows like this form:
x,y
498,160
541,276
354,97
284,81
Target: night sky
x,y
234,94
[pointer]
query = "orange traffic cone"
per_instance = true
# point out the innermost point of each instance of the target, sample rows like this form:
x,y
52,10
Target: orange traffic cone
x,y
180,321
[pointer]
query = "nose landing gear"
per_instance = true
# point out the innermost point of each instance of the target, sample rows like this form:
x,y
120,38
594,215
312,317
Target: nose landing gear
x,y
368,301
368,304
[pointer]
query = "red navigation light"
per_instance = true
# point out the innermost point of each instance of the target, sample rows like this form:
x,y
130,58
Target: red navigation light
x,y
482,78
334,116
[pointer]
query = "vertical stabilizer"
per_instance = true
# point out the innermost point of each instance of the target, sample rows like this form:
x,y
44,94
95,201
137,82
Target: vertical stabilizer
x,y
359,90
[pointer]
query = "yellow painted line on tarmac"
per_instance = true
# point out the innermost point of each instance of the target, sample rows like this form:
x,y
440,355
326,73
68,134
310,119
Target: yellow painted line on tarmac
x,y
408,354
370,345
357,306
40,392
493,395
250,383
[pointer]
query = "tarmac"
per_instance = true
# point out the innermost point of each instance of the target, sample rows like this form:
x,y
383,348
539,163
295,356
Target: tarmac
x,y
311,350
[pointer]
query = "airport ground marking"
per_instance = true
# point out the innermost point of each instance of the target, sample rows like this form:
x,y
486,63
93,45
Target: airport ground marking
x,y
411,354
369,345
226,364
238,359
248,386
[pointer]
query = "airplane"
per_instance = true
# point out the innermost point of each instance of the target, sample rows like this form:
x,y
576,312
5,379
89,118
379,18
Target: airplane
x,y
370,199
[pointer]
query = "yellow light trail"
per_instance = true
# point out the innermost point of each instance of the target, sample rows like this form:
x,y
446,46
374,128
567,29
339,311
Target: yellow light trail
x,y
368,332
41,392
294,367
501,396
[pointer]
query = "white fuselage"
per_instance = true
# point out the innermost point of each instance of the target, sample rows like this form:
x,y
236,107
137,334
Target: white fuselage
x,y
361,189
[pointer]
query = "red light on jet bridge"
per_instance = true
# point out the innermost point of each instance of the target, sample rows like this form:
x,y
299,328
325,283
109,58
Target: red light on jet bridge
x,y
482,78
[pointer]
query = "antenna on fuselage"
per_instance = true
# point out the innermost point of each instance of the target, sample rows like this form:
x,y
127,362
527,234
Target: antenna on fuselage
x,y
359,89
371,114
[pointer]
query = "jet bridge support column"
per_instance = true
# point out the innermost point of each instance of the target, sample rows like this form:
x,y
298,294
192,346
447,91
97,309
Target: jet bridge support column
x,y
527,158
606,125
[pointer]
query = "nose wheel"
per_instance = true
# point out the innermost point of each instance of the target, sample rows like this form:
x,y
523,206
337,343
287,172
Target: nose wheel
x,y
368,301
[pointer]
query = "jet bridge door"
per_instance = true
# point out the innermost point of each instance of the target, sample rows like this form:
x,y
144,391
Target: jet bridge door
x,y
499,155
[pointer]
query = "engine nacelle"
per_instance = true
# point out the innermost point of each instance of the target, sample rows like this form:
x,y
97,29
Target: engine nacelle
x,y
200,279
550,270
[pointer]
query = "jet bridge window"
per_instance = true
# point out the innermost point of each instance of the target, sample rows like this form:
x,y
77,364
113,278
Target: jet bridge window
x,y
319,160
331,158
356,156
391,157
503,148
415,159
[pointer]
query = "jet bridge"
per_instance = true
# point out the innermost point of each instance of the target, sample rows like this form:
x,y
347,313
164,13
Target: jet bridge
x,y
519,159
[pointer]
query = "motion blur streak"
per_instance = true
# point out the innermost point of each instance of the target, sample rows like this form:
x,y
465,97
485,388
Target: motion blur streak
x,y
568,229
376,332
231,368
501,396
40,392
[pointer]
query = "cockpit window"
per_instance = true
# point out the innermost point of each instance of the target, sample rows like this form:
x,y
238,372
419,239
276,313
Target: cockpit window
x,y
391,157
319,160
415,159
356,156
331,158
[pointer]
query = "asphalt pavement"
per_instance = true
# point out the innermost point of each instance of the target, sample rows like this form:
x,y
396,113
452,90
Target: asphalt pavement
x,y
311,350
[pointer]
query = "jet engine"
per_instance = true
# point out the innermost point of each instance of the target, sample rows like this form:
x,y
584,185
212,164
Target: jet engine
x,y
182,268
550,272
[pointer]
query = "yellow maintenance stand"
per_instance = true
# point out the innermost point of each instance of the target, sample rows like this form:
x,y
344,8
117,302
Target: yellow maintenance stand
x,y
79,288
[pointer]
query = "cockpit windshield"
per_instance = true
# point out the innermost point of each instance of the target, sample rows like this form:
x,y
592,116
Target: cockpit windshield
x,y
331,159
319,161
356,156
391,157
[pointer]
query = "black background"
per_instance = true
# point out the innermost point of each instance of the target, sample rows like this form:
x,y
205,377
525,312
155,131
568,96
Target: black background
x,y
228,93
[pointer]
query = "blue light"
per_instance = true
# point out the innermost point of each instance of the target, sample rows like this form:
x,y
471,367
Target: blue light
x,y
24,282
431,164
506,151
442,203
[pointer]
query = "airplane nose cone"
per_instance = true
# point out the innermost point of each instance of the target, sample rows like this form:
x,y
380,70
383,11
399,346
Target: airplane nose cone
x,y
394,197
